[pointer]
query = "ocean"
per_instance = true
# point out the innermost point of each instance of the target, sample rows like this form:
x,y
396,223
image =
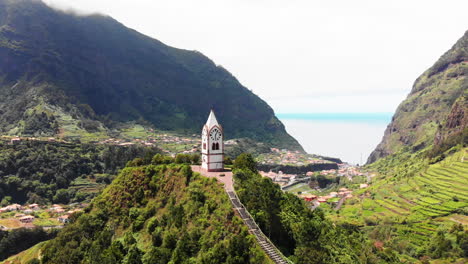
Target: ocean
x,y
348,136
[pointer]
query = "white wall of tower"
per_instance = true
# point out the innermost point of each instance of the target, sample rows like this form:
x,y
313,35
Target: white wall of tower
x,y
212,145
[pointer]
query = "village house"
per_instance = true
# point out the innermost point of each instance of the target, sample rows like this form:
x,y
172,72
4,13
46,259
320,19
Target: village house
x,y
34,206
308,197
64,219
28,211
9,208
322,199
15,140
27,219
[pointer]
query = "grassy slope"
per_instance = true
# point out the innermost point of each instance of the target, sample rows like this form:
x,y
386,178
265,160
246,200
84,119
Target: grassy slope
x,y
413,198
435,197
182,207
417,118
25,256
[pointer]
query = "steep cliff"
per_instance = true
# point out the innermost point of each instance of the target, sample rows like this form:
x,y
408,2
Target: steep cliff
x,y
436,100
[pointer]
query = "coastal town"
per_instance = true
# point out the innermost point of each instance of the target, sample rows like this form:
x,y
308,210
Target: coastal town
x,y
306,187
288,157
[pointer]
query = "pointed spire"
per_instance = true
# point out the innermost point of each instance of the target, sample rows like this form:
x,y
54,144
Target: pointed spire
x,y
211,120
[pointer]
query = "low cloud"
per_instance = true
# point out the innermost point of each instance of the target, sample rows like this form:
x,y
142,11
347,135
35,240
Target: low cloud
x,y
66,7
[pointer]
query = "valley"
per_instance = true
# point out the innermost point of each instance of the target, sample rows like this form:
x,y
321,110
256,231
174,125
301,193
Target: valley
x,y
118,148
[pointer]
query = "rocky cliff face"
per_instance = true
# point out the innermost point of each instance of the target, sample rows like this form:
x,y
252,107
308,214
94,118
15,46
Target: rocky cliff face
x,y
456,121
435,101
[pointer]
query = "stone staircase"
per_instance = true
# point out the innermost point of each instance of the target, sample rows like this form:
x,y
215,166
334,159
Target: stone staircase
x,y
262,240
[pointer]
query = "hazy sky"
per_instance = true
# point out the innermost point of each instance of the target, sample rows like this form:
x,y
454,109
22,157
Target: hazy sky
x,y
304,55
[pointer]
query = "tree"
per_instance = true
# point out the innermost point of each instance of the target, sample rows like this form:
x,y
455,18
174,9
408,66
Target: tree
x,y
245,161
439,246
133,256
61,196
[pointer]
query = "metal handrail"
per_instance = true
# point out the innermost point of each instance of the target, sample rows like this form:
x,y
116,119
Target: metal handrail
x,y
258,228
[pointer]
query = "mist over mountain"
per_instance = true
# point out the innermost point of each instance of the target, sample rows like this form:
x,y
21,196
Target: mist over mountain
x,y
61,72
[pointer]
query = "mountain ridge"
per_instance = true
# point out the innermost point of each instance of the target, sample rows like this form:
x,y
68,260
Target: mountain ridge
x,y
90,74
428,105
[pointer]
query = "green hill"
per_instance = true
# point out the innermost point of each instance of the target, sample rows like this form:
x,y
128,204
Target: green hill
x,y
57,172
412,203
416,205
69,75
436,190
438,92
167,214
305,236
155,214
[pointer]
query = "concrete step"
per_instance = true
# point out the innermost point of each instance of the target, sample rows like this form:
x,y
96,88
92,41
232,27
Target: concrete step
x,y
236,203
266,245
243,213
251,224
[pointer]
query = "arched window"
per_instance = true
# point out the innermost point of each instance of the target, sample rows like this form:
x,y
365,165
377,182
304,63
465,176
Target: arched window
x,y
213,146
204,145
217,146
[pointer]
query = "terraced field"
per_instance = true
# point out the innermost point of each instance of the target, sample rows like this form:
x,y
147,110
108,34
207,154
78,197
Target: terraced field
x,y
438,191
87,186
416,206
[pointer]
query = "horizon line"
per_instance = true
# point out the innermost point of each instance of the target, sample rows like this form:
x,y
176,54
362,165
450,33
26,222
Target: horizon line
x,y
349,116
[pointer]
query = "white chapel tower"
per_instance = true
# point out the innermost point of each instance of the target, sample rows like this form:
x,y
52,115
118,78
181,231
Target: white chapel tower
x,y
212,145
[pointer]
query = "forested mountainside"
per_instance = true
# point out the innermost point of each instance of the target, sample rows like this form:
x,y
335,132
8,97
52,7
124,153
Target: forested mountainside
x,y
435,110
165,213
305,236
69,75
153,213
56,172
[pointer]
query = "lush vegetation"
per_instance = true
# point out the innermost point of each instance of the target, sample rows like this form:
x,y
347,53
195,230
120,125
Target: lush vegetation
x,y
17,240
73,75
422,116
415,208
46,172
156,213
246,145
305,236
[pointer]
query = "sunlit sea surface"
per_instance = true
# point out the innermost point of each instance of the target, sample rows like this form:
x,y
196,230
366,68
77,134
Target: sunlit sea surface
x,y
348,136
